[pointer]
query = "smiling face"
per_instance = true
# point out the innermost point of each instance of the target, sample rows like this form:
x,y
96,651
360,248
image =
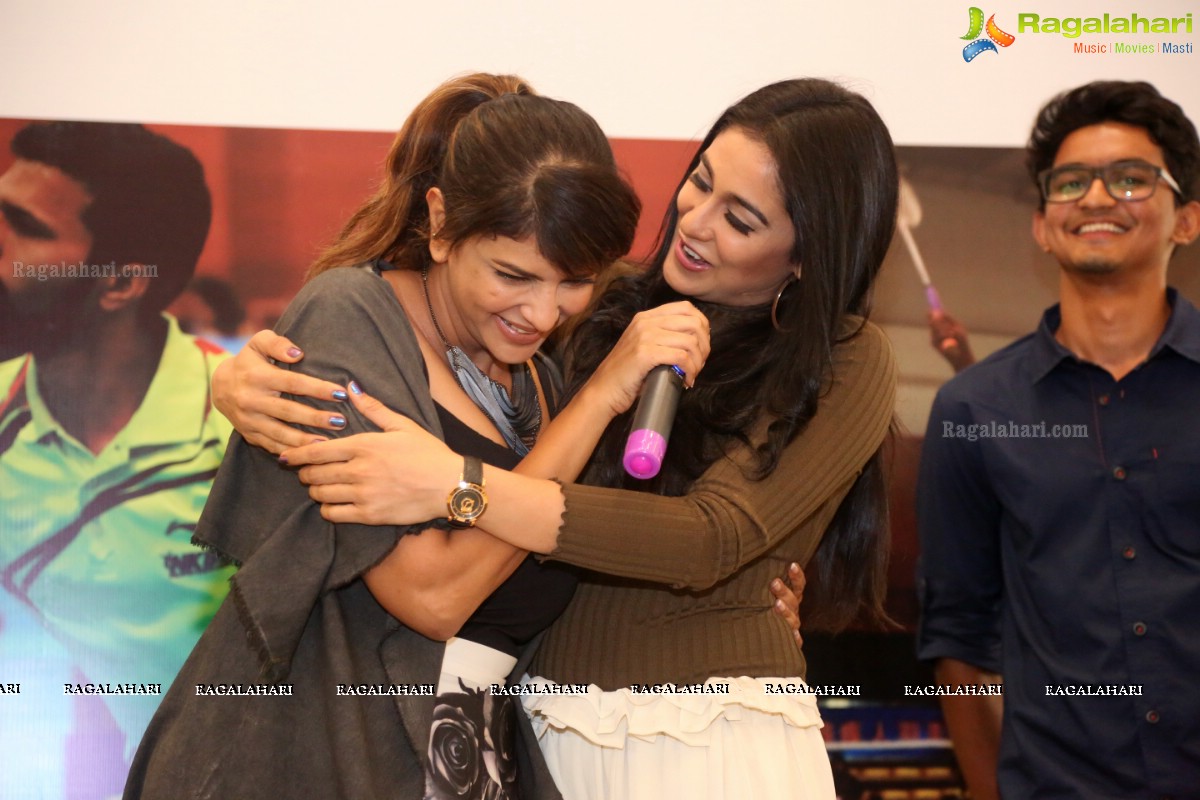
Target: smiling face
x,y
41,223
1097,235
501,298
734,236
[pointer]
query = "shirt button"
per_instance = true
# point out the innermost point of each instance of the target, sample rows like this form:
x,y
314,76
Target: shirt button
x,y
1129,553
1119,473
1152,717
1139,628
1103,399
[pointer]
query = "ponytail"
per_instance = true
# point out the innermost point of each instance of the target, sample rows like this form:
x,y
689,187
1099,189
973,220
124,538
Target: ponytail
x,y
392,224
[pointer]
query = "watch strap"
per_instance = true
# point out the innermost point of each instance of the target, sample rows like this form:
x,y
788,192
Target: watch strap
x,y
472,470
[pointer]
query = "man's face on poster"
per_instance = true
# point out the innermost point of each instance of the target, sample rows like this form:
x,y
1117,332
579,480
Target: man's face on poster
x,y
41,225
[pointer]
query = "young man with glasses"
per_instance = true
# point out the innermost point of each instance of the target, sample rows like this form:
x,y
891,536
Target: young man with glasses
x,y
1066,562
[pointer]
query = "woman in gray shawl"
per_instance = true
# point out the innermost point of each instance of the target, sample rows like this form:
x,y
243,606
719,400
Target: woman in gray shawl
x,y
323,675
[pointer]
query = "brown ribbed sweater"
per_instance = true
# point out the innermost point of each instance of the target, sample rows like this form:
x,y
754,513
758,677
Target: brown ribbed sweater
x,y
716,549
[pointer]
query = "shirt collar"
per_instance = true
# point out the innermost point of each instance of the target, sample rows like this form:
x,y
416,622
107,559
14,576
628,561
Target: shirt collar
x,y
174,409
179,398
1047,353
1182,335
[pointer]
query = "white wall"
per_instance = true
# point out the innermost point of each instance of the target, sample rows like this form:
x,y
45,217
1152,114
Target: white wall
x,y
645,68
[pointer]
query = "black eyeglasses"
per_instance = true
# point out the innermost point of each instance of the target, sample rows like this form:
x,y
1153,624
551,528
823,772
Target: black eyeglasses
x,y
1128,181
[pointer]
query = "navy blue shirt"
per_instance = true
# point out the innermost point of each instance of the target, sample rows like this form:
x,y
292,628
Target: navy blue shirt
x,y
1059,515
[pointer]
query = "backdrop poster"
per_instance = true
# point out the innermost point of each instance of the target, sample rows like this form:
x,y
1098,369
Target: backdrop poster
x,y
291,116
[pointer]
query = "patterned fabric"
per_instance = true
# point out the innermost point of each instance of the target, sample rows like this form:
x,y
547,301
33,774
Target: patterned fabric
x,y
472,746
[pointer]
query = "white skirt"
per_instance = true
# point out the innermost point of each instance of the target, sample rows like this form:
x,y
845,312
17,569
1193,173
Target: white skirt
x,y
648,746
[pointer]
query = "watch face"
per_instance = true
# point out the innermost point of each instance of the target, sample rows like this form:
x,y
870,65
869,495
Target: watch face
x,y
467,503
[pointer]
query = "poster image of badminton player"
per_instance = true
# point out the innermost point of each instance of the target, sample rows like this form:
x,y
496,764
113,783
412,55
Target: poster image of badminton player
x,y
108,447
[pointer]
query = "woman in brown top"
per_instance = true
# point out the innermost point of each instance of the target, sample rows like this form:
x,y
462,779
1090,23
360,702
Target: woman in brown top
x,y
776,234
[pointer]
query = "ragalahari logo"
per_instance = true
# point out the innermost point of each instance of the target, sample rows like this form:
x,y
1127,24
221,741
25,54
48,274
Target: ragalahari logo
x,y
995,36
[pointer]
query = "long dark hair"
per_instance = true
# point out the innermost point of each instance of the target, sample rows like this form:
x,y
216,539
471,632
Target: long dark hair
x,y
837,174
509,163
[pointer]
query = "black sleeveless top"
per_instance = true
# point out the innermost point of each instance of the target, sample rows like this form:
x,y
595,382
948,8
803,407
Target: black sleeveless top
x,y
536,593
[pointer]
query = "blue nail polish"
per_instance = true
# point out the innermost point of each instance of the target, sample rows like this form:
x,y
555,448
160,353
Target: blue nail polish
x,y
283,460
337,422
354,387
339,394
294,352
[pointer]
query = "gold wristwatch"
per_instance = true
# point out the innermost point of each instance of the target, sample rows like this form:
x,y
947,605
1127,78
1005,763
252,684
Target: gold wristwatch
x,y
467,501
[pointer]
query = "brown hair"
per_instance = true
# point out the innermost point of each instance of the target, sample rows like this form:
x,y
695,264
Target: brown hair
x,y
509,163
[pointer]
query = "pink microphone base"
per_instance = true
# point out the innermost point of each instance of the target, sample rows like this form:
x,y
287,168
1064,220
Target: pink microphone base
x,y
644,453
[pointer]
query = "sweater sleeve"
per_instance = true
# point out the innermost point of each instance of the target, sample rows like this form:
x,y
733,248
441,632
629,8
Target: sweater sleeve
x,y
727,520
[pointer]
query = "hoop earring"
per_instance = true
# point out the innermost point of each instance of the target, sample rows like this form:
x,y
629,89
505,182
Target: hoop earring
x,y
775,306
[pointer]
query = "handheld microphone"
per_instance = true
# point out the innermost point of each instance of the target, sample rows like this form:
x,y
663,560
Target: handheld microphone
x,y
647,442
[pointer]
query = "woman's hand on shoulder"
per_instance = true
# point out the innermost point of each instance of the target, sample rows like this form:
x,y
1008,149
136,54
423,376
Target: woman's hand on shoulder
x,y
398,477
247,389
671,334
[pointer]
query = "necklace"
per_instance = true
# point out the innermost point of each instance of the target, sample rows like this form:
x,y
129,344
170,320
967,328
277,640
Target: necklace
x,y
517,418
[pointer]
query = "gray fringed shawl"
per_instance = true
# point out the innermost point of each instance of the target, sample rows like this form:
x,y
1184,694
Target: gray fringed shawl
x,y
298,612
